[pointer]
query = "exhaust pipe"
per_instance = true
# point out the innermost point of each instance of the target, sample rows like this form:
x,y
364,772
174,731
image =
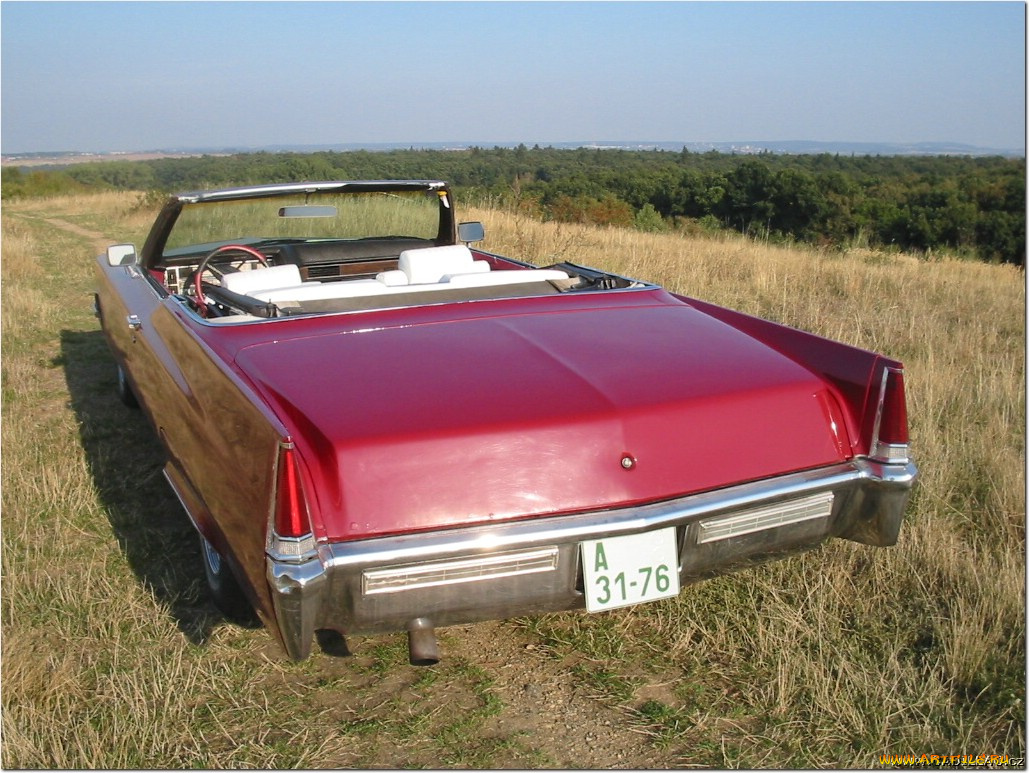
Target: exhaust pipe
x,y
422,649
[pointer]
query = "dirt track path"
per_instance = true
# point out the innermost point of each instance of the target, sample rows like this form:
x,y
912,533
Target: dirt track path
x,y
100,242
542,712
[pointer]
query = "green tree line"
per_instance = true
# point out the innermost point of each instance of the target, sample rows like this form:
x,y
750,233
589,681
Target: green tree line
x,y
969,206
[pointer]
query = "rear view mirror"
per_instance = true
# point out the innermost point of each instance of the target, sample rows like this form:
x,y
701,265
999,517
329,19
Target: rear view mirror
x,y
121,254
470,232
308,210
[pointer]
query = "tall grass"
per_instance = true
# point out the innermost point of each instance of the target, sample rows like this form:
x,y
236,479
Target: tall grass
x,y
829,658
113,656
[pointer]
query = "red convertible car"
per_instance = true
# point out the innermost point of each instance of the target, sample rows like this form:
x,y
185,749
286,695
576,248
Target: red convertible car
x,y
376,426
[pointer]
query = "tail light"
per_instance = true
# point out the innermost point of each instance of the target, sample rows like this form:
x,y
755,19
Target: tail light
x,y
890,435
290,535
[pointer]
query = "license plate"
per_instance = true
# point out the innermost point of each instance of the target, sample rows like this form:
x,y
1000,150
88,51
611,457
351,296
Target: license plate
x,y
619,571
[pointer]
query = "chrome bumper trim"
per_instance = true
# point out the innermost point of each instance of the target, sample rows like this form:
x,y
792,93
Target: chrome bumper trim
x,y
767,517
437,573
608,523
531,566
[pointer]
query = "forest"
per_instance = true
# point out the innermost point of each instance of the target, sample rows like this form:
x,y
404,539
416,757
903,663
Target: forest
x,y
969,207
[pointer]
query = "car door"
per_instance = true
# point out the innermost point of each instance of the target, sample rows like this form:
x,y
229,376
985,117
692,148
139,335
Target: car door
x,y
126,302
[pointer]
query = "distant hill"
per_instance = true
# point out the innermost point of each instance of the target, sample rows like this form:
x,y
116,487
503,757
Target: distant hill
x,y
750,147
797,147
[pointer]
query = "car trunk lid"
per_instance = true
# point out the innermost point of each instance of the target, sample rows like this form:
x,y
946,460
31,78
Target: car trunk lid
x,y
487,418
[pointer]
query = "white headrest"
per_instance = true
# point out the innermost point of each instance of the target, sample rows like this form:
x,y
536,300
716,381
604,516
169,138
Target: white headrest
x,y
394,278
428,265
268,278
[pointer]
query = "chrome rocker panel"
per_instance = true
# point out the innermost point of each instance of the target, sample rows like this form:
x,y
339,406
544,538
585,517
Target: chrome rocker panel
x,y
532,566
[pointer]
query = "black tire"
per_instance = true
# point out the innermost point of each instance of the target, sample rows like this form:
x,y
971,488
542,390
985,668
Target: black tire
x,y
225,591
125,393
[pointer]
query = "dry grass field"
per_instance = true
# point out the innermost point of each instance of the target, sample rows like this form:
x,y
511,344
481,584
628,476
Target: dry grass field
x,y
113,656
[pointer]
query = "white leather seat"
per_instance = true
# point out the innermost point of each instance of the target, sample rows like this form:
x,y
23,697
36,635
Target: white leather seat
x,y
358,288
421,270
477,267
429,265
321,291
267,278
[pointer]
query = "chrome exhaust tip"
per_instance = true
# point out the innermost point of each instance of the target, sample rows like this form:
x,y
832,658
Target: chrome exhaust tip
x,y
422,649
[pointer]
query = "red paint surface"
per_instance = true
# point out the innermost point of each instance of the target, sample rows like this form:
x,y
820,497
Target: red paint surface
x,y
461,414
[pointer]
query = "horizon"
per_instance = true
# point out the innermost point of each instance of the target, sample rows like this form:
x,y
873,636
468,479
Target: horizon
x,y
848,73
58,158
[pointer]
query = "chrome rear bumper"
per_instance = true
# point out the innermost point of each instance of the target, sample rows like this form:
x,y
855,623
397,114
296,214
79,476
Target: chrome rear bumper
x,y
532,566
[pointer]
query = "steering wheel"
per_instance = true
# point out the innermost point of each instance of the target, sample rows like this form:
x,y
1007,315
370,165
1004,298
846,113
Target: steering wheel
x,y
198,274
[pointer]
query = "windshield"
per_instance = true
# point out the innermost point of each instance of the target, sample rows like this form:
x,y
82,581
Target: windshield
x,y
306,217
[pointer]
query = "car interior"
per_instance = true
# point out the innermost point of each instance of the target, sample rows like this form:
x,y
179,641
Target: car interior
x,y
240,284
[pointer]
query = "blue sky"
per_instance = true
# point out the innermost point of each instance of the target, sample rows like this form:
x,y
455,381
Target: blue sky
x,y
147,75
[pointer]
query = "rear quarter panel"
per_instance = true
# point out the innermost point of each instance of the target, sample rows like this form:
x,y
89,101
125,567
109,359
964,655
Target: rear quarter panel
x,y
223,441
854,373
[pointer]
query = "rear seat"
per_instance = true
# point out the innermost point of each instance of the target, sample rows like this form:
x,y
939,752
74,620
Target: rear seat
x,y
423,270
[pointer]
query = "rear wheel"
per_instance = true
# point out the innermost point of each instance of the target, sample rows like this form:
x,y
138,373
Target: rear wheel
x,y
225,591
125,393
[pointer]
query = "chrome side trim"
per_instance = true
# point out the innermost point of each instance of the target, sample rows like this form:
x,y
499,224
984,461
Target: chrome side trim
x,y
187,497
879,411
896,453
